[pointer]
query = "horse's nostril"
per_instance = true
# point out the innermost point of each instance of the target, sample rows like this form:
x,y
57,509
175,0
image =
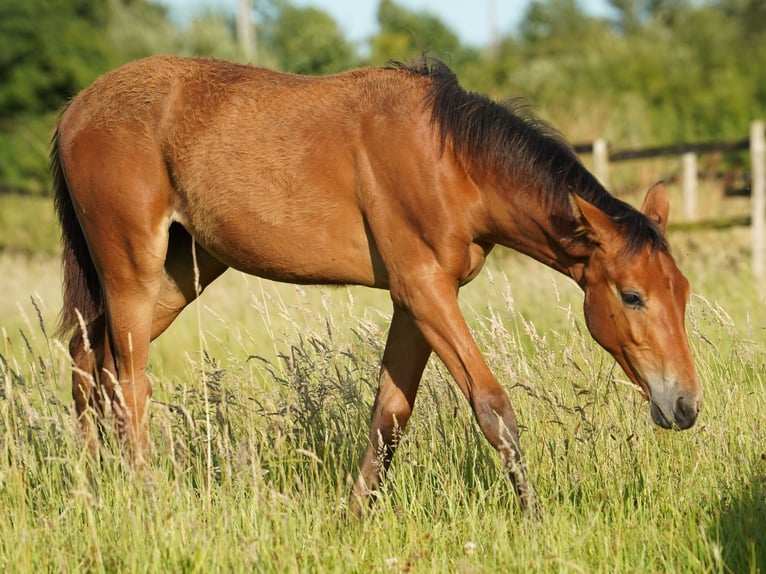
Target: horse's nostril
x,y
685,412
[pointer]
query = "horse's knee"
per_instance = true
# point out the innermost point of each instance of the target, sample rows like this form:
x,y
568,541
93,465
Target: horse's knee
x,y
496,418
391,413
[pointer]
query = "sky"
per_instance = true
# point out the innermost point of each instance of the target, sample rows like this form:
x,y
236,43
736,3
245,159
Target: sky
x,y
470,19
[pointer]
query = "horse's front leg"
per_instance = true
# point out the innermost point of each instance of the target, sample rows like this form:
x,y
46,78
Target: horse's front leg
x,y
437,315
404,359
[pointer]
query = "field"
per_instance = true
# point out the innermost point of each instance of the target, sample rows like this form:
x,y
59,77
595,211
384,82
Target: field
x,y
260,413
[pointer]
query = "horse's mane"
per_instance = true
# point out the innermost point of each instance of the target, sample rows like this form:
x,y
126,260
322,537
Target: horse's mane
x,y
507,141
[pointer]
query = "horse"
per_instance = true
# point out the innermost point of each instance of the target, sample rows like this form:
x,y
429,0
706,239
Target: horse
x,y
168,171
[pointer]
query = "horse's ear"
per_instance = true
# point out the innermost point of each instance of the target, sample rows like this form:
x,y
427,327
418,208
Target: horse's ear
x,y
593,223
656,205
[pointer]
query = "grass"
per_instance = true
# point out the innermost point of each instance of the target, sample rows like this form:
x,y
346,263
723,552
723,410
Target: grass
x,y
28,225
261,414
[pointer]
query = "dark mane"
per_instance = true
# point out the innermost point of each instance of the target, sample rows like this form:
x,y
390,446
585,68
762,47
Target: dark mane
x,y
507,142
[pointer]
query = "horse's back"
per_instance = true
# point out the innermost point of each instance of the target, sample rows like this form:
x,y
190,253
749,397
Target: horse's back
x,y
144,91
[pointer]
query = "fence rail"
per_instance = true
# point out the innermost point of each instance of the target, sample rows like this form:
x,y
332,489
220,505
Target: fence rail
x,y
756,143
660,151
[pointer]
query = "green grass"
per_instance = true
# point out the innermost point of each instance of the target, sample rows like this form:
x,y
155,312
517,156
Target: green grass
x,y
262,402
252,472
28,225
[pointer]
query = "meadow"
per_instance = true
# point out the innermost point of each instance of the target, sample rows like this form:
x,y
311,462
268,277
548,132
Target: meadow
x,y
261,409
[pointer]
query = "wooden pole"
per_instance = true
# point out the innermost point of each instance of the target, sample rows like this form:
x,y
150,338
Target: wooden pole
x,y
601,161
758,170
246,30
689,186
494,34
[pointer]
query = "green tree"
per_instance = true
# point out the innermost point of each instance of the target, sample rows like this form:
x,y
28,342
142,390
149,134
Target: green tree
x,y
210,35
50,49
140,28
630,14
558,64
405,34
751,15
308,41
559,28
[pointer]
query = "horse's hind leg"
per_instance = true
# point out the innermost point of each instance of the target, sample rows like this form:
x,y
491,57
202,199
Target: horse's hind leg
x,y
129,304
93,380
128,245
140,311
189,269
87,351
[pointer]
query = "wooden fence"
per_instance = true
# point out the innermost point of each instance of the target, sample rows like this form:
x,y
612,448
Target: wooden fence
x,y
756,143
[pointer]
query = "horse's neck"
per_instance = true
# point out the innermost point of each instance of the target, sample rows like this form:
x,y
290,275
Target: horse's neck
x,y
524,222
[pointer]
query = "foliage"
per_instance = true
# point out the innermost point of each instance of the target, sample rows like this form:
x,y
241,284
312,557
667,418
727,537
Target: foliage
x,y
51,48
140,28
405,34
664,72
210,35
309,41
24,153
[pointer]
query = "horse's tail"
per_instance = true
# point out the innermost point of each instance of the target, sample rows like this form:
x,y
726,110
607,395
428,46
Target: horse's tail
x,y
81,288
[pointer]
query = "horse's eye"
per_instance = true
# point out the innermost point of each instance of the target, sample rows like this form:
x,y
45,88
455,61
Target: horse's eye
x,y
631,299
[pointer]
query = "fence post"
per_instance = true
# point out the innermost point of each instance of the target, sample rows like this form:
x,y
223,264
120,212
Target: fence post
x,y
601,161
758,190
246,30
689,163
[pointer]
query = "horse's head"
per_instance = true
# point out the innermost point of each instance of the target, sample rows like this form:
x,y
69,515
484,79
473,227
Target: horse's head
x,y
635,304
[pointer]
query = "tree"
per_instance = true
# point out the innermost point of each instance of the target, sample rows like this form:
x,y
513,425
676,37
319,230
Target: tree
x,y
211,35
559,27
51,48
308,41
631,14
140,28
405,34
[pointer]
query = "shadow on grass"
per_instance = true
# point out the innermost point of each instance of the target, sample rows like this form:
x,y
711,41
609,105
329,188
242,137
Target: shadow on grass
x,y
742,526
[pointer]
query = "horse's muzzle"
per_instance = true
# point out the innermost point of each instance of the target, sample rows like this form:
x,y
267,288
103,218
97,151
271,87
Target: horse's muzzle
x,y
681,416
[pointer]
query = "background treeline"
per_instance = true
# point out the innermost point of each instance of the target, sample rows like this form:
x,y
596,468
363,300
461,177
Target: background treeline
x,y
658,71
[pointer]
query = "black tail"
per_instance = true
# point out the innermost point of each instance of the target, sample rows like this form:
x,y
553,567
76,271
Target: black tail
x,y
81,290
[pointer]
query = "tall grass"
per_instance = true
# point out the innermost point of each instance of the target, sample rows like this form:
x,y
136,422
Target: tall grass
x,y
258,424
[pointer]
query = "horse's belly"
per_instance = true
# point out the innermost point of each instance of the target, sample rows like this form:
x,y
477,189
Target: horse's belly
x,y
318,250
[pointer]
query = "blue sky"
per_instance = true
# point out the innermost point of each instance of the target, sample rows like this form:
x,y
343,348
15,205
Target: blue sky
x,y
471,19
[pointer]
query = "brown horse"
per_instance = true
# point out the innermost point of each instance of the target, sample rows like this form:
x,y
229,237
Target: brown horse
x,y
168,171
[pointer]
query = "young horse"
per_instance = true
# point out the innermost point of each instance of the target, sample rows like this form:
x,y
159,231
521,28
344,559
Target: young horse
x,y
168,171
